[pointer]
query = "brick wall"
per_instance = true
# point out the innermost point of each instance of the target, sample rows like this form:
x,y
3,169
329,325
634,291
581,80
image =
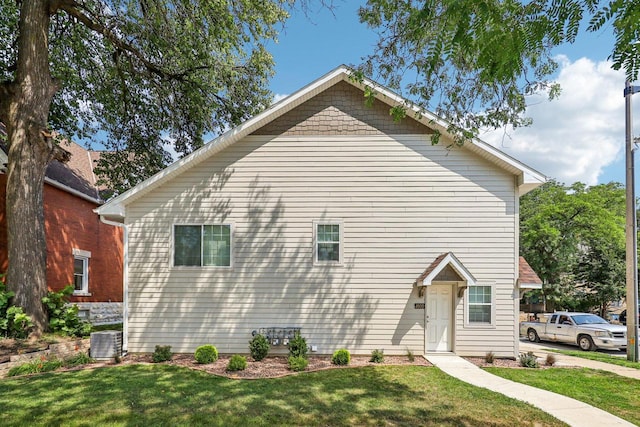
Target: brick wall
x,y
325,114
71,223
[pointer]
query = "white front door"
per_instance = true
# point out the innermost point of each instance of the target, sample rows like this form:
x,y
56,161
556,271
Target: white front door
x,y
439,318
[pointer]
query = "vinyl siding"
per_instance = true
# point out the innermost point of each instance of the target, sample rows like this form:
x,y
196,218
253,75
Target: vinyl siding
x,y
402,202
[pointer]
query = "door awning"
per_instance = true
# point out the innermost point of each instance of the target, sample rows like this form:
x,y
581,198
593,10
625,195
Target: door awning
x,y
446,268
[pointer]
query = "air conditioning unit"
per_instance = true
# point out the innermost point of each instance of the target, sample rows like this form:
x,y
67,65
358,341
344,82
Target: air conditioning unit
x,y
106,344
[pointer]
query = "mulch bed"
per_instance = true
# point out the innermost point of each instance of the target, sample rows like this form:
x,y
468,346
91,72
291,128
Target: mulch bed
x,y
271,367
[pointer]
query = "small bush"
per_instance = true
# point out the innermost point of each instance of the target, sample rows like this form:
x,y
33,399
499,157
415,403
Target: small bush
x,y
550,360
77,360
529,360
237,363
35,366
63,317
206,354
410,355
18,324
489,357
298,346
298,363
341,357
14,323
377,356
259,347
161,354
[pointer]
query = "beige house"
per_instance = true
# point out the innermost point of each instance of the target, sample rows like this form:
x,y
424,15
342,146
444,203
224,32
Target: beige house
x,y
324,215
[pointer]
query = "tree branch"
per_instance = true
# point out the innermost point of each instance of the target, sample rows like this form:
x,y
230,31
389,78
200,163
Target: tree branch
x,y
74,9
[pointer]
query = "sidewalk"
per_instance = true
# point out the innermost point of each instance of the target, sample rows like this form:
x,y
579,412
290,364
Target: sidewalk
x,y
564,360
566,409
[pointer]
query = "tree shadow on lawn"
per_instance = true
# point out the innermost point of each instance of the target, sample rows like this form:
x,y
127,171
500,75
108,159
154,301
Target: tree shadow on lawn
x,y
169,395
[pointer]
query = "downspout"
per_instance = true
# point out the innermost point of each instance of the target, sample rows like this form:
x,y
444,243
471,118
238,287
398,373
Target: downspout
x,y
125,281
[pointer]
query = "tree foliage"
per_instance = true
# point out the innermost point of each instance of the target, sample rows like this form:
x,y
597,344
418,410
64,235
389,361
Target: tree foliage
x,y
141,75
573,237
473,62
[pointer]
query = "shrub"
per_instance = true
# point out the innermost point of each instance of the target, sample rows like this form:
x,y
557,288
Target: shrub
x,y
298,363
410,355
161,354
298,346
14,323
206,354
341,357
35,366
489,357
237,363
63,317
77,360
528,360
18,323
377,356
550,360
259,347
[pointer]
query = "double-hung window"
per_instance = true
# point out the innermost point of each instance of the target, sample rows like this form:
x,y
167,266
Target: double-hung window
x,y
328,243
480,305
202,245
81,271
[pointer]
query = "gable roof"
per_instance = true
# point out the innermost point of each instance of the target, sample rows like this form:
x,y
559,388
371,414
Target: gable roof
x,y
528,178
527,277
75,177
447,259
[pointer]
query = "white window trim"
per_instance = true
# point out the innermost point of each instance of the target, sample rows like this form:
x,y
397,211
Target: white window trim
x,y
477,325
190,267
84,256
337,222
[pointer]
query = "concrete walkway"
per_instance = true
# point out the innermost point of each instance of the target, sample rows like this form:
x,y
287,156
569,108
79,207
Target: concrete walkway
x,y
564,360
566,409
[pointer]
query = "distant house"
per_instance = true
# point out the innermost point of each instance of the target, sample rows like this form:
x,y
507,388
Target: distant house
x,y
324,215
528,280
81,249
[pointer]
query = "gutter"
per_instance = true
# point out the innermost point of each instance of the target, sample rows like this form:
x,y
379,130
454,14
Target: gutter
x,y
72,191
125,281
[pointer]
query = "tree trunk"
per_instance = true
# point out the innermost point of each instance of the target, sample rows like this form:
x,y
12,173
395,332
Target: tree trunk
x,y
31,148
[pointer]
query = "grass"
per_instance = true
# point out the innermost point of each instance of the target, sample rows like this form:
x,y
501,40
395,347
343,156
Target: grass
x,y
600,357
607,391
167,395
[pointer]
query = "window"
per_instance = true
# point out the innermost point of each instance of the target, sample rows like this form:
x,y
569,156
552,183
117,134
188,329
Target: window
x,y
81,272
202,245
328,243
480,304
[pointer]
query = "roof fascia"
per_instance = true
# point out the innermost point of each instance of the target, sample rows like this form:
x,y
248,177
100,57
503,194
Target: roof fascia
x,y
116,206
528,177
455,263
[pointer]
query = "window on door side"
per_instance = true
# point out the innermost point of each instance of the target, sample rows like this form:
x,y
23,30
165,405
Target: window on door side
x,y
480,305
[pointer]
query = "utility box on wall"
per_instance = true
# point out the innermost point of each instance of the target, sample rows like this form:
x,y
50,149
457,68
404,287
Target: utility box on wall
x,y
277,336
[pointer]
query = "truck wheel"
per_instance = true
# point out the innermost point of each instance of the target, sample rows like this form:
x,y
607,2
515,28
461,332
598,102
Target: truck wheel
x,y
586,343
533,335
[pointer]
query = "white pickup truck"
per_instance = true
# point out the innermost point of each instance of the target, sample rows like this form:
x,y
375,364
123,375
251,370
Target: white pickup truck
x,y
583,329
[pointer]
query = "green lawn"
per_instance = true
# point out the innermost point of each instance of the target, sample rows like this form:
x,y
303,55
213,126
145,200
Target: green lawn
x,y
600,357
154,395
607,391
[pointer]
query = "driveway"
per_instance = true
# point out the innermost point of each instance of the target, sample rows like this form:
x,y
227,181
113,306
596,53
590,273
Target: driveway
x,y
526,345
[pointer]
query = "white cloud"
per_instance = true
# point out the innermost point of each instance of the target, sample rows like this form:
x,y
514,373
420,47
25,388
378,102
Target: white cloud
x,y
576,136
278,97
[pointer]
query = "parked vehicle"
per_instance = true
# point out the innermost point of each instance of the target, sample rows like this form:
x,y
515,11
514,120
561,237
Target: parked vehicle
x,y
586,330
623,318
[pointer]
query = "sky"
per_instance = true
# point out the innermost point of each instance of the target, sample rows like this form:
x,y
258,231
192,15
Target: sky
x,y
577,137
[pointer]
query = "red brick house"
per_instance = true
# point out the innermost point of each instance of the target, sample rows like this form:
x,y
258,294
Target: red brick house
x,y
81,250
